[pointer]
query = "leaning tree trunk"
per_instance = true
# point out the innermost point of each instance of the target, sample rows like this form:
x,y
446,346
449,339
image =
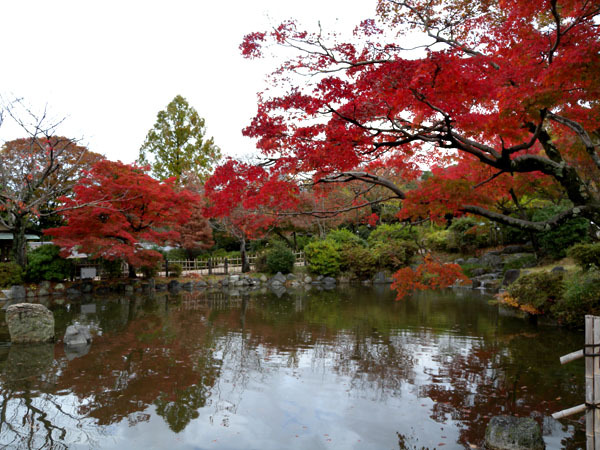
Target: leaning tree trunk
x,y
244,256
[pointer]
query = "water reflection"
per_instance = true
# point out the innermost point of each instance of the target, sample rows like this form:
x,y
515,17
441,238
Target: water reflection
x,y
339,369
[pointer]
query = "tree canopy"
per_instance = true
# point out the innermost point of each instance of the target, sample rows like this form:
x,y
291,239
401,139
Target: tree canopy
x,y
117,209
177,143
34,172
501,99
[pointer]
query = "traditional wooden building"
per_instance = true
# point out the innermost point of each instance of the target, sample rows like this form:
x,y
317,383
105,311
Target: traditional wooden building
x,y
6,240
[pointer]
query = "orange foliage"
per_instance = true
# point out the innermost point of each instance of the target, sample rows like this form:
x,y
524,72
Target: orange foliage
x,y
431,274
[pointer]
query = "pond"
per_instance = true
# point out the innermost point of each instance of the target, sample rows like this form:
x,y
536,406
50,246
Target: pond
x,y
340,369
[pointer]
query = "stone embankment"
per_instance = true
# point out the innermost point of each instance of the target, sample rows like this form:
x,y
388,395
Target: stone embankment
x,y
237,281
499,268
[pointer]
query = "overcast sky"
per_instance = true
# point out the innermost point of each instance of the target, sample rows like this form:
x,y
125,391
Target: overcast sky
x,y
110,66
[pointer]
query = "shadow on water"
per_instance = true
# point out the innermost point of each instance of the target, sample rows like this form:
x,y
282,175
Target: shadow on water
x,y
344,368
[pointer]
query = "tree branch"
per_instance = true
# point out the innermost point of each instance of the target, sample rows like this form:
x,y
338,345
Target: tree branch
x,y
527,224
344,177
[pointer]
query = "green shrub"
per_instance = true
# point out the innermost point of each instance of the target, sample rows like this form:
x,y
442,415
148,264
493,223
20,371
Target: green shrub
x,y
176,254
394,255
10,274
586,256
280,259
344,237
149,271
113,268
439,240
359,260
521,262
541,290
393,232
468,234
44,263
260,263
175,270
323,258
581,296
555,243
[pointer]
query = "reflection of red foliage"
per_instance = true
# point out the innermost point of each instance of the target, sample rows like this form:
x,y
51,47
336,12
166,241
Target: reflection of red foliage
x,y
431,274
126,372
116,208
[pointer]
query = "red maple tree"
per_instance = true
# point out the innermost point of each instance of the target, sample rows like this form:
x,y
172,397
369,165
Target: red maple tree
x,y
117,209
500,98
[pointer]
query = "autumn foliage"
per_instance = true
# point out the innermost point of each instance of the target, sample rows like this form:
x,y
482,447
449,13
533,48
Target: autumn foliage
x,y
431,274
118,209
498,99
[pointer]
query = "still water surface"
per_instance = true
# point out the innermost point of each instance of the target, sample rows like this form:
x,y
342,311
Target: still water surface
x,y
342,369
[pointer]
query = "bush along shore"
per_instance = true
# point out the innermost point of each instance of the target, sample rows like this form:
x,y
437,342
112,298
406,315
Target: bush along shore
x,y
564,294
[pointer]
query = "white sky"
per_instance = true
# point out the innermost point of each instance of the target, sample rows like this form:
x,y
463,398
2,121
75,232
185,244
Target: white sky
x,y
110,66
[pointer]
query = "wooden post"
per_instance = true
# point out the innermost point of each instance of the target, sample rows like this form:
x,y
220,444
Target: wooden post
x,y
225,266
596,361
210,266
589,382
166,268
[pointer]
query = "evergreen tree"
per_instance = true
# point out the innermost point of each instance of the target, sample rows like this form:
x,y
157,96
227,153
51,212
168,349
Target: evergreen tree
x,y
176,143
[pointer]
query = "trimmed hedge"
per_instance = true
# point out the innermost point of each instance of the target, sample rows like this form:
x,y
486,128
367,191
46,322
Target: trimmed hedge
x,y
280,259
323,258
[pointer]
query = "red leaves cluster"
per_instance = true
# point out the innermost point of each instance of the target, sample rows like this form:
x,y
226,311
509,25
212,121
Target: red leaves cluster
x,y
118,209
431,274
247,195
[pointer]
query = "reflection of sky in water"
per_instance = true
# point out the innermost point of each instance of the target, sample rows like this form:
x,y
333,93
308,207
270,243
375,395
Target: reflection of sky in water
x,y
284,383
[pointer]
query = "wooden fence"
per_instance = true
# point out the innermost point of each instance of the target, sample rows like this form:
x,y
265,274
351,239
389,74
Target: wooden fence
x,y
220,266
591,353
210,266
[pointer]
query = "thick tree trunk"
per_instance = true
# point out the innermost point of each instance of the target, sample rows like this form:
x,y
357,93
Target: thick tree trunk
x,y
19,243
131,269
244,256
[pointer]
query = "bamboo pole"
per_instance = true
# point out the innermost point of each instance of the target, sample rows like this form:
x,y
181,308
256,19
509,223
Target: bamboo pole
x,y
589,382
596,360
569,412
571,357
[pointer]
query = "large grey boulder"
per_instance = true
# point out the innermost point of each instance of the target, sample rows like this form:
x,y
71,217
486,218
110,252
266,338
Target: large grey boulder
x,y
29,323
279,278
513,433
512,249
491,259
510,276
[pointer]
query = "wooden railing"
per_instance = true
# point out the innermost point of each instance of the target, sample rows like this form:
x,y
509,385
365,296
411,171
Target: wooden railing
x,y
210,266
220,266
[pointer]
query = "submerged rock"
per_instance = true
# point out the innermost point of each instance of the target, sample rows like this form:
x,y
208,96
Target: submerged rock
x,y
29,323
513,433
77,335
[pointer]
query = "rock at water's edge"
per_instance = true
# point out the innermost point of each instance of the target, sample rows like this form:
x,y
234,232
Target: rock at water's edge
x,y
29,323
513,433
